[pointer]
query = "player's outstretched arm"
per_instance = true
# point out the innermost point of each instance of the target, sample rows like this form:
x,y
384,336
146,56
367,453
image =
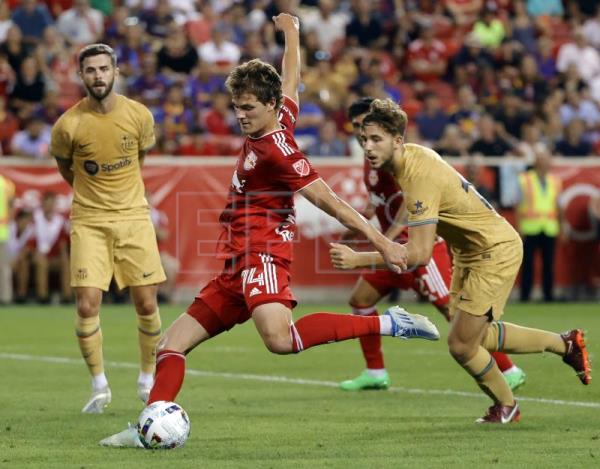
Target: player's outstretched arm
x,y
321,195
345,258
65,168
290,66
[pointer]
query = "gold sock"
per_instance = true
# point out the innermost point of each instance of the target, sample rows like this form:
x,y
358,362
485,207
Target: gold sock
x,y
483,368
89,336
506,337
148,336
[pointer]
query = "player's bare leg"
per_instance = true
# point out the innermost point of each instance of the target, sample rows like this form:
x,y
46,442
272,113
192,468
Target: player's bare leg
x,y
466,335
89,336
363,299
148,320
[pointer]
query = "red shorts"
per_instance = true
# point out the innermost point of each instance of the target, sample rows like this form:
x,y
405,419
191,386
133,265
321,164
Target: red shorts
x,y
431,282
245,283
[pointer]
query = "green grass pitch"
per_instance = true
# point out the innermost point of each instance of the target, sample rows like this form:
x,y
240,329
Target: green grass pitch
x,y
250,408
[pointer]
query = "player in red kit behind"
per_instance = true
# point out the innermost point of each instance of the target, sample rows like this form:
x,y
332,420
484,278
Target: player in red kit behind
x,y
431,281
258,232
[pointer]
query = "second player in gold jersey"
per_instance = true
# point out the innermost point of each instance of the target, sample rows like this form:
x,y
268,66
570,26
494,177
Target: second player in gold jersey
x,y
487,255
99,145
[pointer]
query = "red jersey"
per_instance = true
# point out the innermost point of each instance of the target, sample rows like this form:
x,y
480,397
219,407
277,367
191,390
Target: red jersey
x,y
385,195
260,215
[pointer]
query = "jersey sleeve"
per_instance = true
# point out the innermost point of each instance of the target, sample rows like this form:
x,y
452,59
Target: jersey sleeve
x,y
288,113
422,203
147,136
61,141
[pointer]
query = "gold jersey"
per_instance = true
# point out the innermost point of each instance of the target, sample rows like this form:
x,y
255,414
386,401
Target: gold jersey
x,y
434,192
105,151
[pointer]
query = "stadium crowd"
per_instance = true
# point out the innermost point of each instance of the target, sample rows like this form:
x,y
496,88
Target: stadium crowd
x,y
491,77
476,77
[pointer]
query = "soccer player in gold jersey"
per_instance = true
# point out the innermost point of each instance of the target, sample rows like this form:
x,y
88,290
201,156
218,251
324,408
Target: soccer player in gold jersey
x,y
486,250
99,145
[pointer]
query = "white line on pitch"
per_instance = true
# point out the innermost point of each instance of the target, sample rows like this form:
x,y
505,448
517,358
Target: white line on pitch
x,y
286,380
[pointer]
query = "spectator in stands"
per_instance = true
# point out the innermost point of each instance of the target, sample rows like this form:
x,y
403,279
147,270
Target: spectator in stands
x,y
5,21
158,19
15,49
29,88
471,58
573,144
427,56
81,24
364,28
32,18
578,107
328,24
132,49
150,87
532,88
174,116
489,143
591,29
432,120
538,222
20,248
510,114
51,249
580,53
116,25
219,51
50,109
474,174
328,143
523,28
324,81
33,140
545,58
310,120
219,119
464,12
531,138
9,126
453,142
468,113
177,57
489,29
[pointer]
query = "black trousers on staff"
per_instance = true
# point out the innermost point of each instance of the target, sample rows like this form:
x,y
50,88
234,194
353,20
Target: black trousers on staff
x,y
531,244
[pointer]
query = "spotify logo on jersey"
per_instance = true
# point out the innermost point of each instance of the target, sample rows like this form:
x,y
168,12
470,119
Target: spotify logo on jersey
x,y
91,167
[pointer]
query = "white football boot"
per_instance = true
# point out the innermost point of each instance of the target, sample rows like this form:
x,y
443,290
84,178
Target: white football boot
x,y
128,438
99,400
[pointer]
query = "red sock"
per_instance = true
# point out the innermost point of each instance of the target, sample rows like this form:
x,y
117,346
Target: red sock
x,y
503,361
371,348
170,370
323,328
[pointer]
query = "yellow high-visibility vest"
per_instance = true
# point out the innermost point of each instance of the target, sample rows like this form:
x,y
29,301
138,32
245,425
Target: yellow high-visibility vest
x,y
537,209
6,193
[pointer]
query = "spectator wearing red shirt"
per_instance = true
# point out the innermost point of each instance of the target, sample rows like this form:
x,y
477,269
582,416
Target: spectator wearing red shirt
x,y
427,58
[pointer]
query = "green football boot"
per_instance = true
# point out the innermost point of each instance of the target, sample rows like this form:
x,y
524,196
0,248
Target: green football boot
x,y
515,379
366,381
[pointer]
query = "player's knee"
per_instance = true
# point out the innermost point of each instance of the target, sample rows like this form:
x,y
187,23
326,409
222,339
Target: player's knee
x,y
146,306
278,344
461,351
87,308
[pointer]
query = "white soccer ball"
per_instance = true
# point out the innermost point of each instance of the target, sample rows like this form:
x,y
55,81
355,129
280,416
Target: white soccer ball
x,y
163,425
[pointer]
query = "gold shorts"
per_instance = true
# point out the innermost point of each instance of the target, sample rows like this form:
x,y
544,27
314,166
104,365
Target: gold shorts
x,y
125,248
483,286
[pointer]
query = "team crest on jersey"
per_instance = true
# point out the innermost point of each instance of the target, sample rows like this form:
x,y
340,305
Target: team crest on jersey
x,y
417,208
250,161
301,167
373,177
127,142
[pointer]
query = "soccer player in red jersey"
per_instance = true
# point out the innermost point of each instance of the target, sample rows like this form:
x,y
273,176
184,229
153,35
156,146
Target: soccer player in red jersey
x,y
258,232
431,281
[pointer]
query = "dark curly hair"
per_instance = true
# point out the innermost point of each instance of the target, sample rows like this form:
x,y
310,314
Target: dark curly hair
x,y
388,115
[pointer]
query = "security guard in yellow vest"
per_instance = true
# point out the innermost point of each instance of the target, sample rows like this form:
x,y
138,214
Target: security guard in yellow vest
x,y
538,222
7,192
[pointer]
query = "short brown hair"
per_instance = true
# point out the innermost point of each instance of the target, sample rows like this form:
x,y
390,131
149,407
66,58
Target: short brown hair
x,y
97,49
258,78
388,115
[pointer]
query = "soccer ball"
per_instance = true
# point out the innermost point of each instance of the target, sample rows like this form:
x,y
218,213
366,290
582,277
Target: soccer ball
x,y
163,425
